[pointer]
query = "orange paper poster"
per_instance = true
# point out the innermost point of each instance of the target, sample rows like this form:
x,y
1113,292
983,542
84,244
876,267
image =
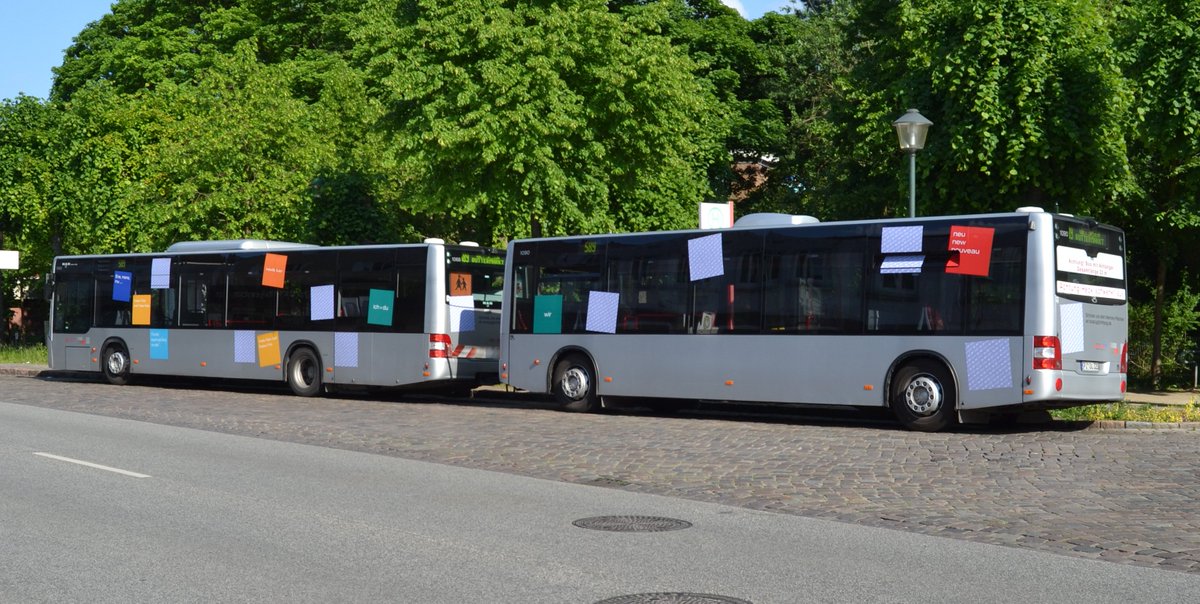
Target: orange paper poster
x,y
273,267
460,284
141,309
970,251
268,349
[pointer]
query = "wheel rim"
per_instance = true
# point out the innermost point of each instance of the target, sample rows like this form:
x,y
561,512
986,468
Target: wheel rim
x,y
923,396
304,372
116,362
575,383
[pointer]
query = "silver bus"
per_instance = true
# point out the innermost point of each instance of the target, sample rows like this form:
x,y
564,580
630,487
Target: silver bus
x,y
418,315
940,319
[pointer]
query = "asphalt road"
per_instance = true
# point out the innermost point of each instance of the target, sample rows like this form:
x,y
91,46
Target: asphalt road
x,y
1131,497
203,516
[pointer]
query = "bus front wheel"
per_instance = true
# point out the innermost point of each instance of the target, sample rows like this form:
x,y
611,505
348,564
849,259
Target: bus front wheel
x,y
575,384
304,372
923,396
115,364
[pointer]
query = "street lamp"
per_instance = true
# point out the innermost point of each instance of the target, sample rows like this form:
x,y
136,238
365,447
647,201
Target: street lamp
x,y
912,128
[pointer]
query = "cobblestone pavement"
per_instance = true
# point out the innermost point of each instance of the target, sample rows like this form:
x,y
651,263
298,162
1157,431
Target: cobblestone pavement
x,y
1126,496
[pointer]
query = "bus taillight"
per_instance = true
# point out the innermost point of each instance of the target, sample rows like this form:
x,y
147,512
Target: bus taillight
x,y
439,345
1047,353
1124,358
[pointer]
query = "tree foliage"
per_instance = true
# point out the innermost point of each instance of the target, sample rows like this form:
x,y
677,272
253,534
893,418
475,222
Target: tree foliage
x,y
514,115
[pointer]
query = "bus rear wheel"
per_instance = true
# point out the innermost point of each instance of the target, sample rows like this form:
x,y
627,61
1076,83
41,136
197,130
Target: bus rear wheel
x,y
923,396
115,364
304,372
575,384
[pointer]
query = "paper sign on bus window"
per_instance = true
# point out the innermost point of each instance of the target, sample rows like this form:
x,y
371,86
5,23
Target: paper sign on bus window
x,y
379,306
274,266
902,264
159,344
321,302
902,240
160,273
243,346
345,349
547,313
460,284
141,309
122,282
462,313
268,349
989,365
602,311
971,251
1071,320
705,258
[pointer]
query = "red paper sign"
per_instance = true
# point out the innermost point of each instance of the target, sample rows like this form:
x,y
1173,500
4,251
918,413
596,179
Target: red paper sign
x,y
971,251
273,268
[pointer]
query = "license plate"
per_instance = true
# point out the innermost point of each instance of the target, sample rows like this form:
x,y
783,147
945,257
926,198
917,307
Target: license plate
x,y
1091,366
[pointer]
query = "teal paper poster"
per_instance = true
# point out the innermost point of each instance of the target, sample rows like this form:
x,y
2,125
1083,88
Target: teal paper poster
x,y
547,314
380,311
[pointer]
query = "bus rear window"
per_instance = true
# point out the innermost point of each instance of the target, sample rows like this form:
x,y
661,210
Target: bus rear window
x,y
1089,262
478,273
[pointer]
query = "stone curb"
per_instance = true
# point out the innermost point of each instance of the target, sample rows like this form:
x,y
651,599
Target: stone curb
x,y
33,371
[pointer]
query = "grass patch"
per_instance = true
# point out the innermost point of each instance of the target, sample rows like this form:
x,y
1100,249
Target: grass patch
x,y
1138,412
34,355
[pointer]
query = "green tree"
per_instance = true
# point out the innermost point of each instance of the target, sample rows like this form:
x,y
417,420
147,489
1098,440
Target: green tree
x,y
1160,43
1026,98
560,117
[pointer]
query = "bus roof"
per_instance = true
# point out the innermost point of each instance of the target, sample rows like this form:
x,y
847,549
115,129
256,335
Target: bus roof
x,y
232,245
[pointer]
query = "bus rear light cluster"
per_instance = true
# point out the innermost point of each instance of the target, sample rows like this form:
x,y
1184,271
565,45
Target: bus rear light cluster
x,y
1124,358
439,345
1047,352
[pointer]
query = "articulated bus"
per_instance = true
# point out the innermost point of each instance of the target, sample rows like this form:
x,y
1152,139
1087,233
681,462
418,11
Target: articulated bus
x,y
418,315
944,319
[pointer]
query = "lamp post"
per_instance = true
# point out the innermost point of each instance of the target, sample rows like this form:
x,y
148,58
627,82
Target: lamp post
x,y
912,128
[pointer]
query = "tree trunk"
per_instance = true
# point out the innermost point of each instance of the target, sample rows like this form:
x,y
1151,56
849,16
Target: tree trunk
x,y
1160,298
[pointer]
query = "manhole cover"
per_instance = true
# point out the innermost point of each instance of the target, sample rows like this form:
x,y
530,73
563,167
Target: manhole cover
x,y
673,598
633,524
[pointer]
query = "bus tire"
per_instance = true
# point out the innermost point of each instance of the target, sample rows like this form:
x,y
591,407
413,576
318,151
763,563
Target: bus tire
x,y
304,372
575,384
115,364
923,396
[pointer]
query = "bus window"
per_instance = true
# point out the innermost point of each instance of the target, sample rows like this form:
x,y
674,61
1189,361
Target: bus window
x,y
202,291
813,285
732,302
250,304
73,301
651,276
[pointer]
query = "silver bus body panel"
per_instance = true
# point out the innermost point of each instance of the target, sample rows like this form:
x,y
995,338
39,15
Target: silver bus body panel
x,y
781,369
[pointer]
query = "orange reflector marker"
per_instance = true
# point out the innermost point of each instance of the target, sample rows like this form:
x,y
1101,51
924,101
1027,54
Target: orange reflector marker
x,y
204,363
93,359
329,370
728,382
279,366
135,361
868,386
425,373
1028,392
537,361
608,379
504,376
